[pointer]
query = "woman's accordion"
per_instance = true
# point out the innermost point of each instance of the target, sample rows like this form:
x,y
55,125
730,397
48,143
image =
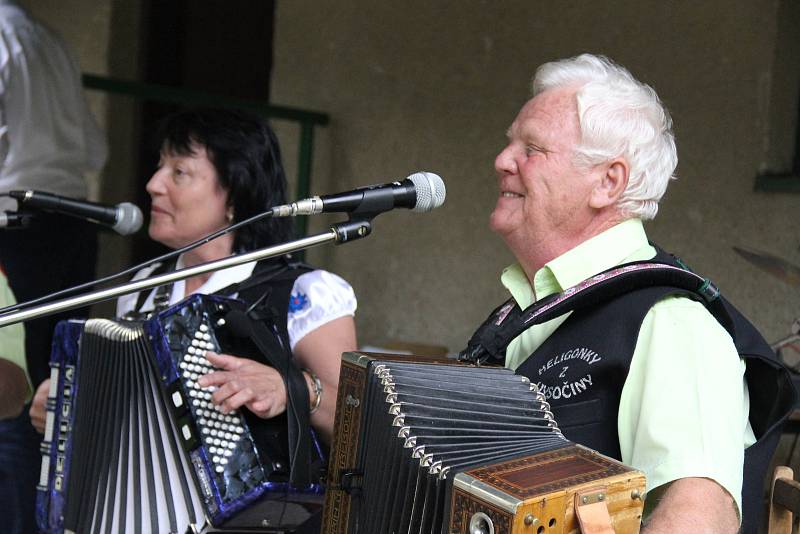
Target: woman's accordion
x,y
133,444
427,446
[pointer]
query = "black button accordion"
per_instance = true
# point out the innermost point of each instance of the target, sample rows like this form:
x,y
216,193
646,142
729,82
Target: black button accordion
x,y
133,444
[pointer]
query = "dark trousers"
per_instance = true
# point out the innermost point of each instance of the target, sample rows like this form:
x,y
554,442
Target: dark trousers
x,y
54,253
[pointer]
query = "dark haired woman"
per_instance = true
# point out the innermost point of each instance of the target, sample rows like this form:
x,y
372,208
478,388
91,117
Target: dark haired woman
x,y
218,167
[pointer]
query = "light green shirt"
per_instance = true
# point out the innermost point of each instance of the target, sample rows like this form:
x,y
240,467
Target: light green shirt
x,y
12,337
684,406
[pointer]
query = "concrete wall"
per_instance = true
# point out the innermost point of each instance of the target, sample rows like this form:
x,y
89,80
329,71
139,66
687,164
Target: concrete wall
x,y
434,85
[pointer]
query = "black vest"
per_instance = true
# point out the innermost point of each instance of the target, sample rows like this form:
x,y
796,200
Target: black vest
x,y
583,365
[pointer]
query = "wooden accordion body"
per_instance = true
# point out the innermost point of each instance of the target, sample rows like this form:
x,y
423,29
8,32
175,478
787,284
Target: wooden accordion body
x,y
425,445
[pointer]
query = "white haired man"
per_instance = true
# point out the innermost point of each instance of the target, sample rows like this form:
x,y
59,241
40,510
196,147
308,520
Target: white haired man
x,y
658,384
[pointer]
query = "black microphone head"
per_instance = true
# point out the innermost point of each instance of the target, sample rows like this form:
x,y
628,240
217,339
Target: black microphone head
x,y
430,190
129,219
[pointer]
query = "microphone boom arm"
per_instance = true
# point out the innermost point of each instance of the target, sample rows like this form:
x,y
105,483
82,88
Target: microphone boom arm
x,y
339,233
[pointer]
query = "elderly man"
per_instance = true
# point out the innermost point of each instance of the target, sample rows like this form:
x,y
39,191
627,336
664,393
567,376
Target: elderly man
x,y
588,158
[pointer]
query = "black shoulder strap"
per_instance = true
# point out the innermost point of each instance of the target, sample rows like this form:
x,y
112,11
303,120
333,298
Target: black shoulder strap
x,y
161,268
491,339
263,327
297,409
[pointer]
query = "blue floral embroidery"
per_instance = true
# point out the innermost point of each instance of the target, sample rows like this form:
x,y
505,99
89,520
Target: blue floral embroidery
x,y
297,302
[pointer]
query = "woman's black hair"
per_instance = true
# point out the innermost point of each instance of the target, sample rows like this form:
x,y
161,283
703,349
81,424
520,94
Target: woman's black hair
x,y
244,151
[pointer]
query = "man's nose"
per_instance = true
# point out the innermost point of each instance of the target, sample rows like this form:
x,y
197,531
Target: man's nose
x,y
505,163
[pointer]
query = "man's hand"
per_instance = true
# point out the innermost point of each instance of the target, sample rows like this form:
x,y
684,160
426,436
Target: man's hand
x,y
243,382
697,505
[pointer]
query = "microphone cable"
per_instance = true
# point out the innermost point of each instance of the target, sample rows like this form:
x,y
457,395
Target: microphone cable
x,y
169,255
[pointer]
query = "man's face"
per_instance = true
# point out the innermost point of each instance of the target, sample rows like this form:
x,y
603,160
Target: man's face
x,y
543,197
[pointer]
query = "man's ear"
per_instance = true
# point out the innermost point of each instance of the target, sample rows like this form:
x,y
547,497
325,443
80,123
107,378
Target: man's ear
x,y
611,184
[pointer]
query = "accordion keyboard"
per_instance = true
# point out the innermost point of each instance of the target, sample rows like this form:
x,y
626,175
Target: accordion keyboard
x,y
219,432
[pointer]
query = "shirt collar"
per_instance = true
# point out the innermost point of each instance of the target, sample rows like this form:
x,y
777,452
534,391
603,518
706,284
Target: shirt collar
x,y
622,243
218,279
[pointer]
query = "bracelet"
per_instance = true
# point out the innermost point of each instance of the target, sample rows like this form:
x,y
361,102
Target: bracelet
x,y
317,391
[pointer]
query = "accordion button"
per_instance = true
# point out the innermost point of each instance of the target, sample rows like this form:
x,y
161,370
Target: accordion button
x,y
177,400
228,453
187,432
224,461
204,328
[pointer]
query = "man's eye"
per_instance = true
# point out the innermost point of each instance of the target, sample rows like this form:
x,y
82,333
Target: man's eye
x,y
534,149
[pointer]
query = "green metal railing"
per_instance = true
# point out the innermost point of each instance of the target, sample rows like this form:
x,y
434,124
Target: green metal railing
x,y
162,93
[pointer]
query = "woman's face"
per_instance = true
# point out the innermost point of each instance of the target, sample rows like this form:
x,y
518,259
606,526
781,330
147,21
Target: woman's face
x,y
188,201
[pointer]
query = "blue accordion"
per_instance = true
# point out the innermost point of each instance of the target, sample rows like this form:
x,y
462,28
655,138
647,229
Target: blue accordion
x,y
133,444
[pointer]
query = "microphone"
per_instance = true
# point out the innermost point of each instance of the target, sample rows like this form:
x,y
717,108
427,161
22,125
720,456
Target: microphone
x,y
124,218
422,191
15,219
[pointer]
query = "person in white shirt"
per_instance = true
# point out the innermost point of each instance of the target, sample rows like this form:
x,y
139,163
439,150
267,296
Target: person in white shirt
x,y
48,141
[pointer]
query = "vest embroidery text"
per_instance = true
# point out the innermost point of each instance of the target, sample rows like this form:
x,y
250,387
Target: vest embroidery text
x,y
569,387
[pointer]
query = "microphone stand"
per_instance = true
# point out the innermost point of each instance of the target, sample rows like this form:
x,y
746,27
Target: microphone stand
x,y
338,233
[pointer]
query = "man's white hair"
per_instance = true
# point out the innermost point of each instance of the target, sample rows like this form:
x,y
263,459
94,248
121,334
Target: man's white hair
x,y
618,116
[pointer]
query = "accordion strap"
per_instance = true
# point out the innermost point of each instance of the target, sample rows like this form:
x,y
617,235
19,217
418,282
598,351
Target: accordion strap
x,y
297,408
507,321
592,511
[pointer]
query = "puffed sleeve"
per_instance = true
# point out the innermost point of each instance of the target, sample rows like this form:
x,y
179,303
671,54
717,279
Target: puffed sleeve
x,y
317,297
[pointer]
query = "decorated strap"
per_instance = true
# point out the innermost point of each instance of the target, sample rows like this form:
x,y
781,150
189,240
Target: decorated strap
x,y
507,321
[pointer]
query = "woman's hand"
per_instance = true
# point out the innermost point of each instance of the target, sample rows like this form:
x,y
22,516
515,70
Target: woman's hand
x,y
243,382
38,411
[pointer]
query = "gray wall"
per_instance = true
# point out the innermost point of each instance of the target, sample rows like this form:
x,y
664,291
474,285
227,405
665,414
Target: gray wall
x,y
433,86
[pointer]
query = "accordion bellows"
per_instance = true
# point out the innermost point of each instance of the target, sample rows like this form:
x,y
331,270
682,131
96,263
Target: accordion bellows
x,y
428,446
133,444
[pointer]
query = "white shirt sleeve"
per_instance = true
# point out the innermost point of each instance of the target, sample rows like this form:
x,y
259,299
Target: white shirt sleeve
x,y
317,297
